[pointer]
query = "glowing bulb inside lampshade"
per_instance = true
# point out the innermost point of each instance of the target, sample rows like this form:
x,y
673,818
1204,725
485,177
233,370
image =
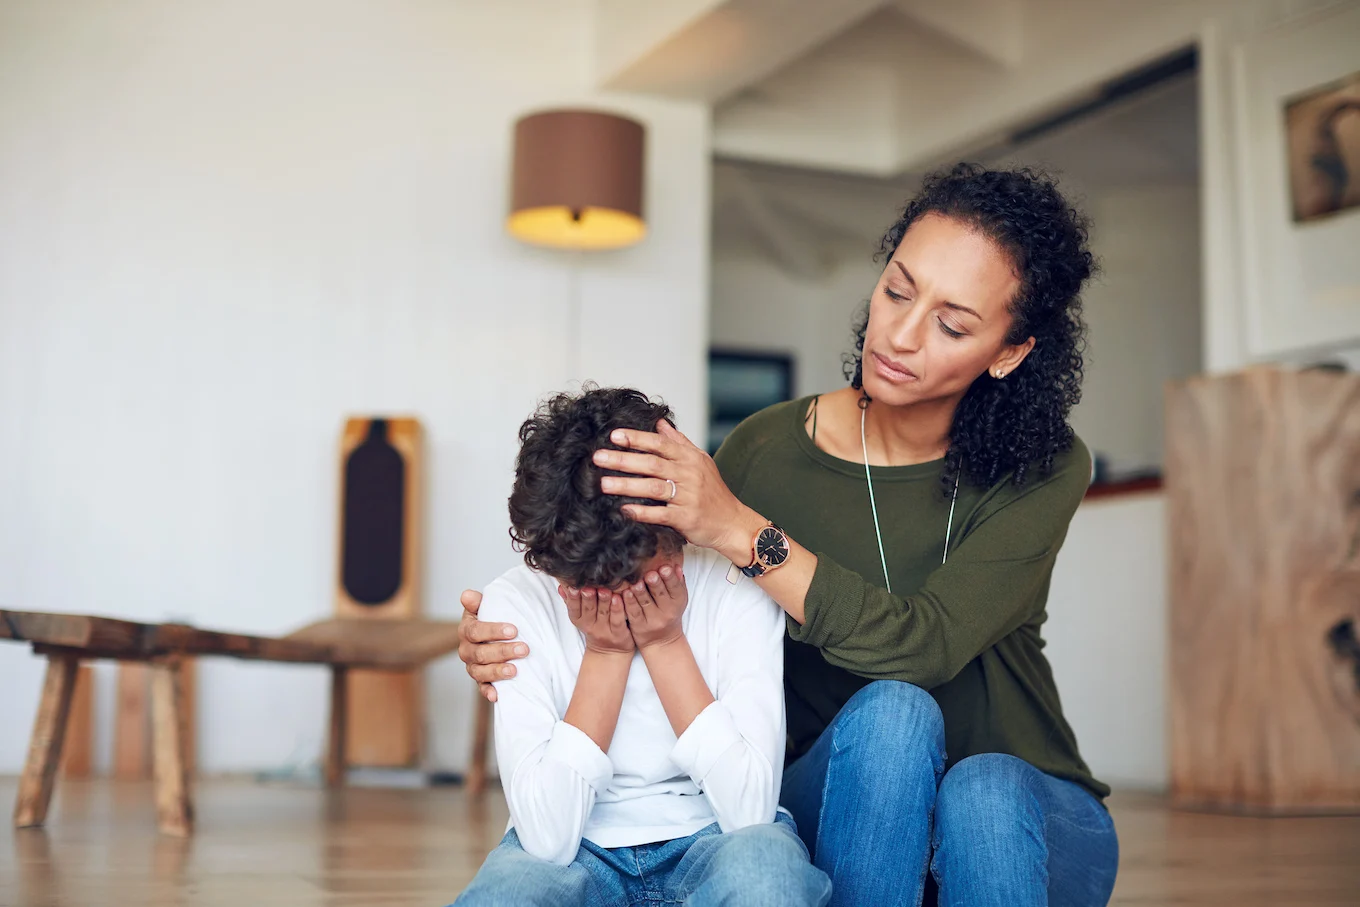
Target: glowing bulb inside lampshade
x,y
576,182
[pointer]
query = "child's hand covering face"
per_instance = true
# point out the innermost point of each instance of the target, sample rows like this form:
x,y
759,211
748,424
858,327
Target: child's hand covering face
x,y
654,606
599,615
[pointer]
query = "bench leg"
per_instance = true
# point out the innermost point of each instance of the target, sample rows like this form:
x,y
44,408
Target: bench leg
x,y
44,747
336,758
481,742
174,798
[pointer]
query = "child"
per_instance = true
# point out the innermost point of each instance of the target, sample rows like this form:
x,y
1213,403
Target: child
x,y
641,741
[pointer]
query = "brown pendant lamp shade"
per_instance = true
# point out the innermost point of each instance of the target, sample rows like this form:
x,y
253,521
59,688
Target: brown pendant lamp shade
x,y
577,180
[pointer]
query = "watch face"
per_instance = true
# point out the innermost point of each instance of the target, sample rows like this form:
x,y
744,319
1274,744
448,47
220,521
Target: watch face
x,y
771,548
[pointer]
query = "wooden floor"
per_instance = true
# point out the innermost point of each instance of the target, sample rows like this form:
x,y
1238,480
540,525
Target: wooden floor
x,y
273,846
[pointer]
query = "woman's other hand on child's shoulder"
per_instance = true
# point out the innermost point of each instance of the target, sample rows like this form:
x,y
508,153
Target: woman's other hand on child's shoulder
x,y
481,650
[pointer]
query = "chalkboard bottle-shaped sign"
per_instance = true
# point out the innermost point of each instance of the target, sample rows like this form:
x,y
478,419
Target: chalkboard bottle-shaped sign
x,y
374,517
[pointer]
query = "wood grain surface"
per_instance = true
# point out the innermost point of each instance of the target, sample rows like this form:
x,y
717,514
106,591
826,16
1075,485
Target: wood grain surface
x,y
1263,492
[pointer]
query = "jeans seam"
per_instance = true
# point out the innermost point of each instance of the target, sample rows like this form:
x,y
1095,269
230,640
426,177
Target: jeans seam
x,y
930,854
637,864
932,837
826,786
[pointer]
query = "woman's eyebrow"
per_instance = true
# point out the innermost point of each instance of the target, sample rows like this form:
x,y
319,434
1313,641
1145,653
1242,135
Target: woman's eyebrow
x,y
953,305
905,273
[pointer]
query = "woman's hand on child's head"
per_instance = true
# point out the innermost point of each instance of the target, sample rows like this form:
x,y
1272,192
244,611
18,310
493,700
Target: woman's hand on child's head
x,y
671,469
599,615
655,606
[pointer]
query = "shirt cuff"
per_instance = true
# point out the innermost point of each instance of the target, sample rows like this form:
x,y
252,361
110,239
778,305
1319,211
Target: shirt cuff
x,y
709,735
832,606
572,747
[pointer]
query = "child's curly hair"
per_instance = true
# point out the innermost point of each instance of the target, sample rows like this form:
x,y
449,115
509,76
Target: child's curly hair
x,y
565,525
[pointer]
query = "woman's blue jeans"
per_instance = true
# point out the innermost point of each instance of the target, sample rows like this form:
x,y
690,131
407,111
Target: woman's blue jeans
x,y
875,812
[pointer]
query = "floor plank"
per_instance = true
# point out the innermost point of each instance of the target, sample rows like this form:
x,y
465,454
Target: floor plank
x,y
306,847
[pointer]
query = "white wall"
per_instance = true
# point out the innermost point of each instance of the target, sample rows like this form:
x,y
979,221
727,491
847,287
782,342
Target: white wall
x,y
1143,311
224,228
759,306
1107,632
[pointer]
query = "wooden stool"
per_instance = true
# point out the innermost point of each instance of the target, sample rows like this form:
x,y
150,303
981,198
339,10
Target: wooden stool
x,y
68,639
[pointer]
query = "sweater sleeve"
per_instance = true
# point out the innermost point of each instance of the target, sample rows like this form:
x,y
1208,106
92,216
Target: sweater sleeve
x,y
734,748
552,770
983,593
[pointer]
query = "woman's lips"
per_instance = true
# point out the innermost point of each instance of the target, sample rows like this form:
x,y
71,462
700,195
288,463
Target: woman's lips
x,y
892,371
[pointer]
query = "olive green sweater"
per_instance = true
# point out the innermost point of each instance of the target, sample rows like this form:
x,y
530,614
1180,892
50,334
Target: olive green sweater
x,y
967,631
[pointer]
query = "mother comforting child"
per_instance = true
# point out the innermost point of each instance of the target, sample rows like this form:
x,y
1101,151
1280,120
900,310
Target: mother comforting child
x,y
907,526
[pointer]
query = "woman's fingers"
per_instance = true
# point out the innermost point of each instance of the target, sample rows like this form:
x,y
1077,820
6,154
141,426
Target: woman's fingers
x,y
656,489
489,673
471,600
480,631
657,516
647,442
494,653
674,435
639,464
488,691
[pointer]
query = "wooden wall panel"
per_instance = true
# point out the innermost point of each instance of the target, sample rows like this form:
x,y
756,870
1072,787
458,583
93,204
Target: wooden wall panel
x,y
1263,491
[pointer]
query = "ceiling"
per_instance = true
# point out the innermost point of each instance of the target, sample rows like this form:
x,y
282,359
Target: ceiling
x,y
808,220
879,87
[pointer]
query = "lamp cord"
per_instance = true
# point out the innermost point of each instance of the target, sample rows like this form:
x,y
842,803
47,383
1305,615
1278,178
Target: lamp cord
x,y
574,316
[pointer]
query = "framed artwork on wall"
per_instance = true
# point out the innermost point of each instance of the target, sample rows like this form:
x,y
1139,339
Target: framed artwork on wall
x,y
1323,129
1298,129
741,383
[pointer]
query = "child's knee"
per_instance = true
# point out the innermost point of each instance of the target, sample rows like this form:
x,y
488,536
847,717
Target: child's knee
x,y
510,877
767,864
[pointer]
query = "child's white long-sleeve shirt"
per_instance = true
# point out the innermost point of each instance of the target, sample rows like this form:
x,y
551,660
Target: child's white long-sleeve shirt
x,y
649,787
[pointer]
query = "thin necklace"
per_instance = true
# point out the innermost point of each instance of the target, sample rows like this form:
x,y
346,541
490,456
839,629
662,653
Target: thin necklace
x,y
868,480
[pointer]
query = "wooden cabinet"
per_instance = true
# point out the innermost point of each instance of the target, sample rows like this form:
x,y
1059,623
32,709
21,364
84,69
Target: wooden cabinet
x,y
1263,493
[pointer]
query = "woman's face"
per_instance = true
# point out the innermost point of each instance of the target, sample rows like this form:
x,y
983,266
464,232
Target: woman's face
x,y
938,317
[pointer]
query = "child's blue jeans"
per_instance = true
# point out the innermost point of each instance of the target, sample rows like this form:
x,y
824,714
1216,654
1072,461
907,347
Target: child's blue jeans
x,y
759,866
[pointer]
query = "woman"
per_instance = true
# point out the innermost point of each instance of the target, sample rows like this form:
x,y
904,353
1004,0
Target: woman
x,y
908,526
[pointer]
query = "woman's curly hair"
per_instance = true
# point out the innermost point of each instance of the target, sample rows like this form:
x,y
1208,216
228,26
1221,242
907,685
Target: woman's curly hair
x,y
565,525
1014,425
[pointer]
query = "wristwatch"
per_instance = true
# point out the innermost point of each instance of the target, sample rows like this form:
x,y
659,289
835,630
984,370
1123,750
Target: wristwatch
x,y
769,551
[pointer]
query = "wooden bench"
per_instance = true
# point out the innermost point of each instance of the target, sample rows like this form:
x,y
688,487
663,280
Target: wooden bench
x,y
342,644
